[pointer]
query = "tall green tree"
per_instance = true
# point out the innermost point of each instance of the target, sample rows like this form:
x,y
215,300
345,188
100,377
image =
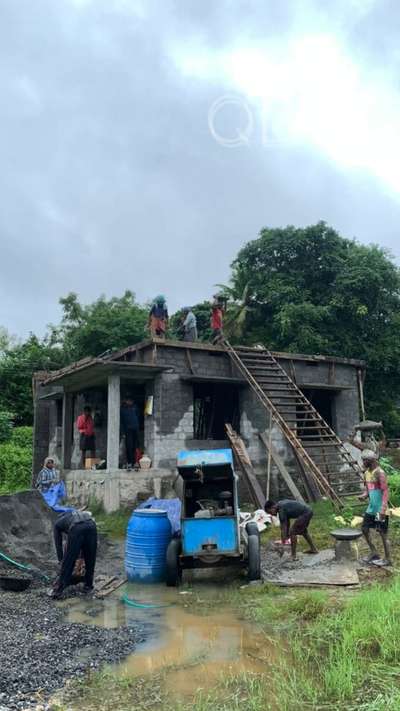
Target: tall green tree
x,y
312,291
17,365
106,324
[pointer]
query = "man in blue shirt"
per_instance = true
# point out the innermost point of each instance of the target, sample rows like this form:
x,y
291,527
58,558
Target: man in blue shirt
x,y
129,422
48,476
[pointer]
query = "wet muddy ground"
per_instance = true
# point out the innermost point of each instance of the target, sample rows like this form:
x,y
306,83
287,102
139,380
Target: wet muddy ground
x,y
195,648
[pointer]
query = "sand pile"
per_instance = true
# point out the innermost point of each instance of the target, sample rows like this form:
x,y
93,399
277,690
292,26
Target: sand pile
x,y
26,529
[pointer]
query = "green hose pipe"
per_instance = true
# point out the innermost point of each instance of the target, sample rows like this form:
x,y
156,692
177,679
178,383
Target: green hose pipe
x,y
21,566
143,605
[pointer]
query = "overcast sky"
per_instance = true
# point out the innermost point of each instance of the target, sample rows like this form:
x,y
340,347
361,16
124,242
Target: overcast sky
x,y
143,142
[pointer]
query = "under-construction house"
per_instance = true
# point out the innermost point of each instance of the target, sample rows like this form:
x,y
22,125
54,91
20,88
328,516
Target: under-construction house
x,y
285,415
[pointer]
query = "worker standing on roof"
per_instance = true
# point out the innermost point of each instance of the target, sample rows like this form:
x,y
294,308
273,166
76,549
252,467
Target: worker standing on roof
x,y
158,317
218,308
81,531
289,509
189,325
375,517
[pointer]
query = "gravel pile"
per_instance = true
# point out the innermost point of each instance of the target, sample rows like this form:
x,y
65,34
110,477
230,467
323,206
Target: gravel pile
x,y
39,651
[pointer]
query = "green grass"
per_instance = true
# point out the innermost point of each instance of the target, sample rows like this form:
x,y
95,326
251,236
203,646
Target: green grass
x,y
112,524
109,692
347,655
234,693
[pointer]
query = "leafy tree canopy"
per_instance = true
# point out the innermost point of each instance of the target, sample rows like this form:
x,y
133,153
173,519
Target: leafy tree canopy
x,y
106,324
17,365
312,291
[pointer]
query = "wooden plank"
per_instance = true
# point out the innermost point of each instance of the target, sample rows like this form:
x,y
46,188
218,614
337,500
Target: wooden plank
x,y
319,576
107,590
309,481
104,582
189,360
246,466
281,467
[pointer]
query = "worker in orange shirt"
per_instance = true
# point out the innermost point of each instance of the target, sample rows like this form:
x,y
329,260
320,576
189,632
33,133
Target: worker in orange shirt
x,y
218,307
87,442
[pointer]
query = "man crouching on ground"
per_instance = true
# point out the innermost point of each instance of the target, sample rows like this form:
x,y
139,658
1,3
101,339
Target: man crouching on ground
x,y
81,532
289,509
376,490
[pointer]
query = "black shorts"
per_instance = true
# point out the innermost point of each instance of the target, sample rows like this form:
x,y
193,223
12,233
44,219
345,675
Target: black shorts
x,y
369,521
301,524
87,443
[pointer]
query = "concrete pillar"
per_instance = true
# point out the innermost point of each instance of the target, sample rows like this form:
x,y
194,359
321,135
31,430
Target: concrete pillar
x,y
113,414
67,431
41,432
112,496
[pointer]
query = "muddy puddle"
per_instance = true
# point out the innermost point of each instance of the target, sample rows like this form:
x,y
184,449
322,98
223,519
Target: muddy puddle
x,y
195,648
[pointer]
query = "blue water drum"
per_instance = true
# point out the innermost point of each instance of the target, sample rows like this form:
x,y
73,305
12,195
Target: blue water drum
x,y
147,538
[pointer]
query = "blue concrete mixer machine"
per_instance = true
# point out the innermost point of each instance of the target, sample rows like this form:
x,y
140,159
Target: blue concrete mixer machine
x,y
210,532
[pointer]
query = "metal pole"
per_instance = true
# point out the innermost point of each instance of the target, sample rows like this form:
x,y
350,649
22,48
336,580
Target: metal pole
x,y
361,393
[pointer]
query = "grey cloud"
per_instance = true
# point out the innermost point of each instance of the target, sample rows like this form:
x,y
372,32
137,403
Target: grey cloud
x,y
109,176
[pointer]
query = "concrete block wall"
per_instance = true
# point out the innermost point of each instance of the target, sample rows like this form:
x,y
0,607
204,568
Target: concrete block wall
x,y
346,412
118,488
171,425
205,363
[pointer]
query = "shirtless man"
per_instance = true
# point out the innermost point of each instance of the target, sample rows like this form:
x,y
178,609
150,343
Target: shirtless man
x,y
289,509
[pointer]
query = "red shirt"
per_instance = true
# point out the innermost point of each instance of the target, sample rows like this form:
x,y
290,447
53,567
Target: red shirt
x,y
216,318
85,425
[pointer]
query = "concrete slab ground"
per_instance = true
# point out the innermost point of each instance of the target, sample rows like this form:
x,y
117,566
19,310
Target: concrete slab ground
x,y
309,570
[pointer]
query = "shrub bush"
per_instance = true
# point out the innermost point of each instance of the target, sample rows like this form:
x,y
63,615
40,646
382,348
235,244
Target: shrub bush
x,y
393,478
16,461
22,437
5,426
15,467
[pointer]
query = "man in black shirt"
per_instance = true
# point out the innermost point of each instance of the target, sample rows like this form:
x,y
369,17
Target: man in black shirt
x,y
302,514
81,532
129,424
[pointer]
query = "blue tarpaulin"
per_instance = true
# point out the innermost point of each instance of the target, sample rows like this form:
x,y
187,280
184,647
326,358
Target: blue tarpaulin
x,y
171,506
54,494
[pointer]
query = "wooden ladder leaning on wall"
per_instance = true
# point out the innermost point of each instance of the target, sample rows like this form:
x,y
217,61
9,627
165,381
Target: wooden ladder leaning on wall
x,y
315,444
